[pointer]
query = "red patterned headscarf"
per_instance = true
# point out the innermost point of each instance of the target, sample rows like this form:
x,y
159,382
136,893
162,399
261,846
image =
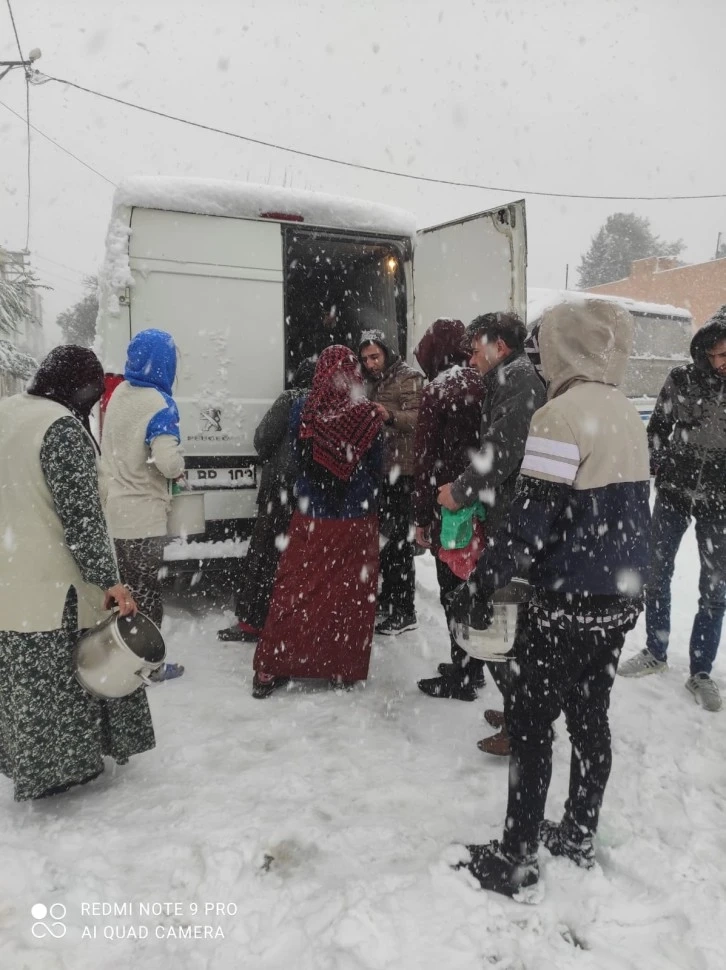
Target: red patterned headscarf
x,y
341,423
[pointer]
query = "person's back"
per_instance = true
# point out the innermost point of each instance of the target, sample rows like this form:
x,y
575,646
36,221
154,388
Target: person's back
x,y
579,524
140,456
137,471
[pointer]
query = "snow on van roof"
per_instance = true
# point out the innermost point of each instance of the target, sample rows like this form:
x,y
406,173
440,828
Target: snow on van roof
x,y
539,300
247,200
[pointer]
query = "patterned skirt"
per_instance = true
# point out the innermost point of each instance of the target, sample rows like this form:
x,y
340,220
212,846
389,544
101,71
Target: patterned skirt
x,y
53,735
323,607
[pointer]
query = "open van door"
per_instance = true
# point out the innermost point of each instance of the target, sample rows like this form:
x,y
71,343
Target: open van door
x,y
473,265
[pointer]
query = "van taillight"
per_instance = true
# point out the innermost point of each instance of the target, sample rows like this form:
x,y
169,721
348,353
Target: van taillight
x,y
283,216
110,383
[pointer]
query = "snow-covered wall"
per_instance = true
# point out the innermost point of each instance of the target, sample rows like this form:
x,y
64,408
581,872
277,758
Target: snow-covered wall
x,y
539,300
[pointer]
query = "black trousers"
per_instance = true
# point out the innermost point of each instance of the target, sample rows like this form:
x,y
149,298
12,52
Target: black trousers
x,y
398,578
252,600
448,581
564,663
139,565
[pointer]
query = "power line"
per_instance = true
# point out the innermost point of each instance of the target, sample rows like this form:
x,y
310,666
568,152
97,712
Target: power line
x,y
373,168
15,31
55,262
58,145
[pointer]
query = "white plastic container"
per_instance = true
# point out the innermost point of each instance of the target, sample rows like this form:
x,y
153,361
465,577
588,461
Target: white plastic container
x,y
186,514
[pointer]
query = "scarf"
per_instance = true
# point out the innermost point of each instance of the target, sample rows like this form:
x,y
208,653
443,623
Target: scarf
x,y
341,424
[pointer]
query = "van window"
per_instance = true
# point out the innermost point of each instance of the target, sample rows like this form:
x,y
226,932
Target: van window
x,y
336,287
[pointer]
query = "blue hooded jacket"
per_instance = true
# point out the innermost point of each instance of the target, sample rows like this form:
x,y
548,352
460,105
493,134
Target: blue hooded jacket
x,y
151,362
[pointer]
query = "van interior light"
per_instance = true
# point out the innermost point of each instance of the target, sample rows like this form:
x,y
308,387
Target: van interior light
x,y
392,263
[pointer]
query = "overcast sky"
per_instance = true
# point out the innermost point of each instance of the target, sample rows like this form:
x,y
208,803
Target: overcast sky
x,y
580,96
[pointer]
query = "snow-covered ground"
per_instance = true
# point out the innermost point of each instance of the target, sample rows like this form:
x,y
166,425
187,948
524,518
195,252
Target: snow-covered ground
x,y
323,823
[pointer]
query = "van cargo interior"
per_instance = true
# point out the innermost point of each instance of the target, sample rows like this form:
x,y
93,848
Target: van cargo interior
x,y
337,286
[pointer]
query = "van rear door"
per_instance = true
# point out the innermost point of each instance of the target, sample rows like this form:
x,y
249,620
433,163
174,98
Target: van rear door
x,y
472,265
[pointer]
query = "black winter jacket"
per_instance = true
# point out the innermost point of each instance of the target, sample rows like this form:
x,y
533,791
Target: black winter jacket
x,y
512,393
687,430
272,437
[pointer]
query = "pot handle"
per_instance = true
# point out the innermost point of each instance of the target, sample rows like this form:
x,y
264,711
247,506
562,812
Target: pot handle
x,y
144,678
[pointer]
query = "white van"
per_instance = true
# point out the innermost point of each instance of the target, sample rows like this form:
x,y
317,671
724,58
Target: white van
x,y
661,339
252,279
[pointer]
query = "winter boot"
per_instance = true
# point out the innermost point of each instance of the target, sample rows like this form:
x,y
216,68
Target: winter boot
x,y
499,872
642,664
395,624
263,688
564,839
241,632
448,687
455,671
705,692
497,744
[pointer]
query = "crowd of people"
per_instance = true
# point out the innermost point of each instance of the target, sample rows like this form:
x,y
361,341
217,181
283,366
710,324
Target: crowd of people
x,y
364,459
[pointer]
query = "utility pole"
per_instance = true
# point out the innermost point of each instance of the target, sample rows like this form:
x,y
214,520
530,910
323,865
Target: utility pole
x,y
567,274
718,245
27,64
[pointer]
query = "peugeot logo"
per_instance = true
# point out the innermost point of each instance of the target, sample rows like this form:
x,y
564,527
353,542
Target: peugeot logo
x,y
211,419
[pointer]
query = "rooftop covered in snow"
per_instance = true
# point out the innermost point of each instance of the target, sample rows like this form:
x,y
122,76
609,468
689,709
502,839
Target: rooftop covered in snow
x,y
539,300
247,200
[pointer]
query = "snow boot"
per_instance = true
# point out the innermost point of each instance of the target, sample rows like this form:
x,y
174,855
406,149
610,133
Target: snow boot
x,y
705,692
642,664
263,688
564,839
499,872
447,687
241,632
454,671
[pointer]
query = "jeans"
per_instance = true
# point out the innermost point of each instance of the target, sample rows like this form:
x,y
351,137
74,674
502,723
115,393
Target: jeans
x,y
564,664
669,523
398,579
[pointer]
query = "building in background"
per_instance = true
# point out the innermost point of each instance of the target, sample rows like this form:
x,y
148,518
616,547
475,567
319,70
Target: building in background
x,y
700,287
21,336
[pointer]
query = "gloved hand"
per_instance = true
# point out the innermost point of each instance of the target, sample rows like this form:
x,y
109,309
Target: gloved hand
x,y
471,606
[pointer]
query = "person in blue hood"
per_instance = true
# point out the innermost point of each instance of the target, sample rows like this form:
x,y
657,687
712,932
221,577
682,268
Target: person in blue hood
x,y
140,455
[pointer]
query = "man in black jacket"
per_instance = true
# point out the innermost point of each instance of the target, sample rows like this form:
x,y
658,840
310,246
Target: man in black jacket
x,y
512,393
687,440
275,508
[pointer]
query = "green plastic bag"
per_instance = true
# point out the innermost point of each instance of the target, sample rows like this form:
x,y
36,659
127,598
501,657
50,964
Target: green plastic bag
x,y
457,528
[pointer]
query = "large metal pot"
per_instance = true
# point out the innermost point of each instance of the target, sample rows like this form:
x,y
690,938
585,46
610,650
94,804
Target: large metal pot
x,y
496,642
186,514
116,657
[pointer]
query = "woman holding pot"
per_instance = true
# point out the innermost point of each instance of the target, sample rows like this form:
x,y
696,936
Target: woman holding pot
x,y
56,561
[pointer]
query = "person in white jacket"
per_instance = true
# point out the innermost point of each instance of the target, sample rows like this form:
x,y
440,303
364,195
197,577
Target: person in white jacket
x,y
141,454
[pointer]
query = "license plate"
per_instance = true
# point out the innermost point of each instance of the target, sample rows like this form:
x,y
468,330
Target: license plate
x,y
244,476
